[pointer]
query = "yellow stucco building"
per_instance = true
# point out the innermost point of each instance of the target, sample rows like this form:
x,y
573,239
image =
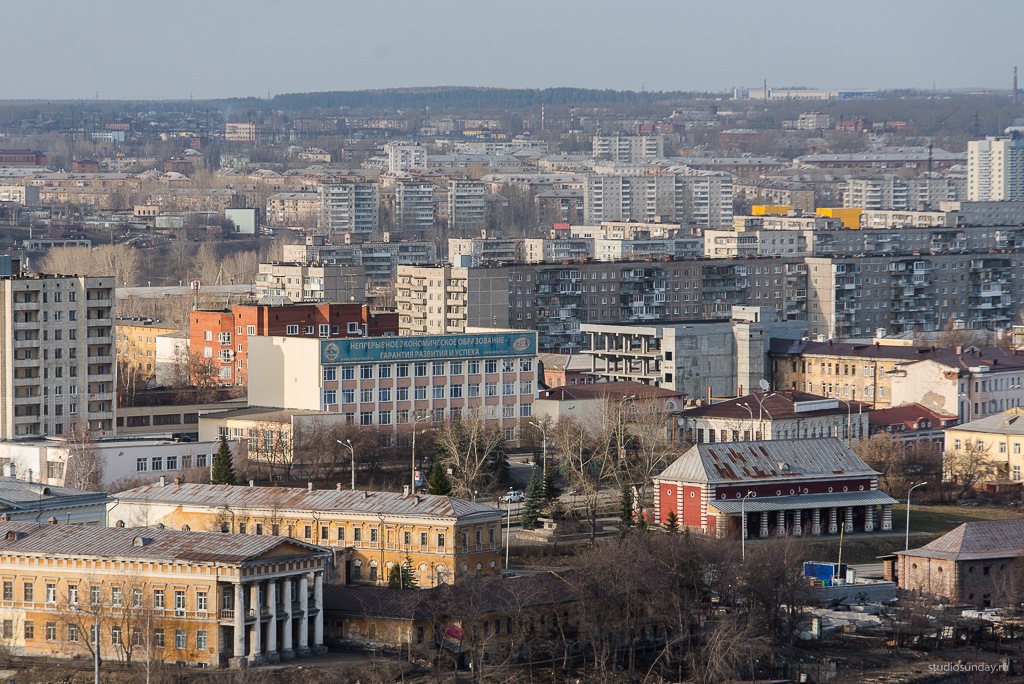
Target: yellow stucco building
x,y
370,532
155,594
996,442
136,346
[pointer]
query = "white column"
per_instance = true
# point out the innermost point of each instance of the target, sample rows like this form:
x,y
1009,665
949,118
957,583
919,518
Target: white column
x,y
816,521
849,519
798,523
764,524
780,519
318,605
833,521
304,620
272,625
286,599
239,620
869,518
886,517
257,636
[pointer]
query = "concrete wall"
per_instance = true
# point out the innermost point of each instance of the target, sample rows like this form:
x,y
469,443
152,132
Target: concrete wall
x,y
284,372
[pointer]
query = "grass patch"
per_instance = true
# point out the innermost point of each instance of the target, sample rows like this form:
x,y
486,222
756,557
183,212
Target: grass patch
x,y
942,519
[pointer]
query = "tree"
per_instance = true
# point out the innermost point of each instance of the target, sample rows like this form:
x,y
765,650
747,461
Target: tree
x,y
403,576
550,488
967,466
84,466
223,467
672,522
531,507
475,452
439,483
626,509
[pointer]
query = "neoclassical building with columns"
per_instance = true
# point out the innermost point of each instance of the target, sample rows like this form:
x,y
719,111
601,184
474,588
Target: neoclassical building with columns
x,y
760,489
197,598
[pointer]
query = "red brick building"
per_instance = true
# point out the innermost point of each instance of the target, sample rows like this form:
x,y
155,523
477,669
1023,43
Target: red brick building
x,y
782,487
223,335
22,158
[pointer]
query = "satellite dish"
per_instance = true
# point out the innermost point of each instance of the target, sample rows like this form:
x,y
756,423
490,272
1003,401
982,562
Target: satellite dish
x,y
764,385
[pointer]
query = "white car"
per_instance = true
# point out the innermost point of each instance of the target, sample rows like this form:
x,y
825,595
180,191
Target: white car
x,y
513,496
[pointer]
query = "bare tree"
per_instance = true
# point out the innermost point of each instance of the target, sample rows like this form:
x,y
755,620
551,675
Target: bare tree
x,y
475,452
966,467
84,465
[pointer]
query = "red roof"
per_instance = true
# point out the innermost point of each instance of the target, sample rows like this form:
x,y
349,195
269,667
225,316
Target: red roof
x,y
909,415
608,390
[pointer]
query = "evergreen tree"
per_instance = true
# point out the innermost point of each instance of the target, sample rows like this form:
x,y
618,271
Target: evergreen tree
x,y
551,488
403,576
626,509
223,467
531,507
438,483
672,523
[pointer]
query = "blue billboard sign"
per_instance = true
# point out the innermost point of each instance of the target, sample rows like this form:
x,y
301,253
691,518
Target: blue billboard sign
x,y
429,347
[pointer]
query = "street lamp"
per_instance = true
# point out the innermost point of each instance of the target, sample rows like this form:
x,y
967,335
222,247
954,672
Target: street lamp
x,y
751,412
544,448
348,445
412,472
919,484
743,526
508,527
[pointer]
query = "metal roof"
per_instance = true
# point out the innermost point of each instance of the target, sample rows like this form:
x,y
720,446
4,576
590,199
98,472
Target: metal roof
x,y
141,542
978,540
805,501
21,494
1010,422
765,461
282,499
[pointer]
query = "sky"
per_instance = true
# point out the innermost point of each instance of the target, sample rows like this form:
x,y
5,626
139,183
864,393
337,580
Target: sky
x,y
116,49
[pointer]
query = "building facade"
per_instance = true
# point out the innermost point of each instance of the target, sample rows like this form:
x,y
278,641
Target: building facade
x,y
203,599
311,282
804,487
446,539
57,355
995,169
349,206
137,347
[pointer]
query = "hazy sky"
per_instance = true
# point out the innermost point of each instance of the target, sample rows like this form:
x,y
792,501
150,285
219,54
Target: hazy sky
x,y
115,49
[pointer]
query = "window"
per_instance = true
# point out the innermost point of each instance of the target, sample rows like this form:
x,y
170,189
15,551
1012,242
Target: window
x,y
455,391
158,638
115,635
307,531
420,392
179,639
330,373
440,540
348,372
158,598
526,386
157,463
72,633
402,370
438,392
473,390
373,534
491,389
373,571
401,394
348,396
324,330
366,418
202,601
357,534
438,368
455,368
341,534
8,629
179,601
384,394
473,367
116,596
28,592
420,370
366,372
201,641
51,631
508,389
73,594
491,366
357,570
366,395
30,629
137,597
172,462
51,592
384,370
508,365
423,538
249,330
325,532
330,397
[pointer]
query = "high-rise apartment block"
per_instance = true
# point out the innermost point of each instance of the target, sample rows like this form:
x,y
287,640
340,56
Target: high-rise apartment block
x,y
404,157
311,282
683,195
414,207
995,169
442,300
629,149
467,206
349,206
56,354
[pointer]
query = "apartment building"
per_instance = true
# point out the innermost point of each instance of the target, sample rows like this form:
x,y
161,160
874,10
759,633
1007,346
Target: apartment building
x,y
440,300
223,335
702,359
293,209
137,347
629,149
311,282
681,194
998,439
349,205
404,156
241,132
414,207
57,353
198,598
379,259
798,195
995,169
447,539
467,206
389,382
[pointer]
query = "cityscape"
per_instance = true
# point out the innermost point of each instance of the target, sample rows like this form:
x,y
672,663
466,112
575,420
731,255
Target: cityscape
x,y
598,373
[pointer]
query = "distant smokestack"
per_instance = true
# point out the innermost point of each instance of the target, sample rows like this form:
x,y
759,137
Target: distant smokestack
x,y
1014,86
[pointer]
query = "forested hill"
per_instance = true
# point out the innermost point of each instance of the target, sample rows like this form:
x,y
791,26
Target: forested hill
x,y
463,97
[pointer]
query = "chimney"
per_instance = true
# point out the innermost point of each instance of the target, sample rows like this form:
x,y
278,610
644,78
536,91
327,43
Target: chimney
x,y
310,486
416,499
338,487
405,492
51,520
119,523
163,480
252,483
959,349
5,517
29,474
177,482
366,495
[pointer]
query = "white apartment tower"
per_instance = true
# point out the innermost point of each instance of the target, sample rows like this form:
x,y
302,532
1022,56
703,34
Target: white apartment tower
x,y
629,149
467,206
349,206
414,207
402,157
995,169
56,355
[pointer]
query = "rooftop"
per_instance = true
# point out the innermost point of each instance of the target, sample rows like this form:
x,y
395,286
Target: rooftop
x,y
967,358
978,540
607,390
19,495
141,542
780,405
1009,422
342,501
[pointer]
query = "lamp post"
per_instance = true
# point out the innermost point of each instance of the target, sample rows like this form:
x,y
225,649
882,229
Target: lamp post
x,y
743,527
919,484
348,445
751,412
849,421
412,472
508,527
544,448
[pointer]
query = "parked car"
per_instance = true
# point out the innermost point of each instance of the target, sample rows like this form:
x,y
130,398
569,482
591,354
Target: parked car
x,y
513,496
